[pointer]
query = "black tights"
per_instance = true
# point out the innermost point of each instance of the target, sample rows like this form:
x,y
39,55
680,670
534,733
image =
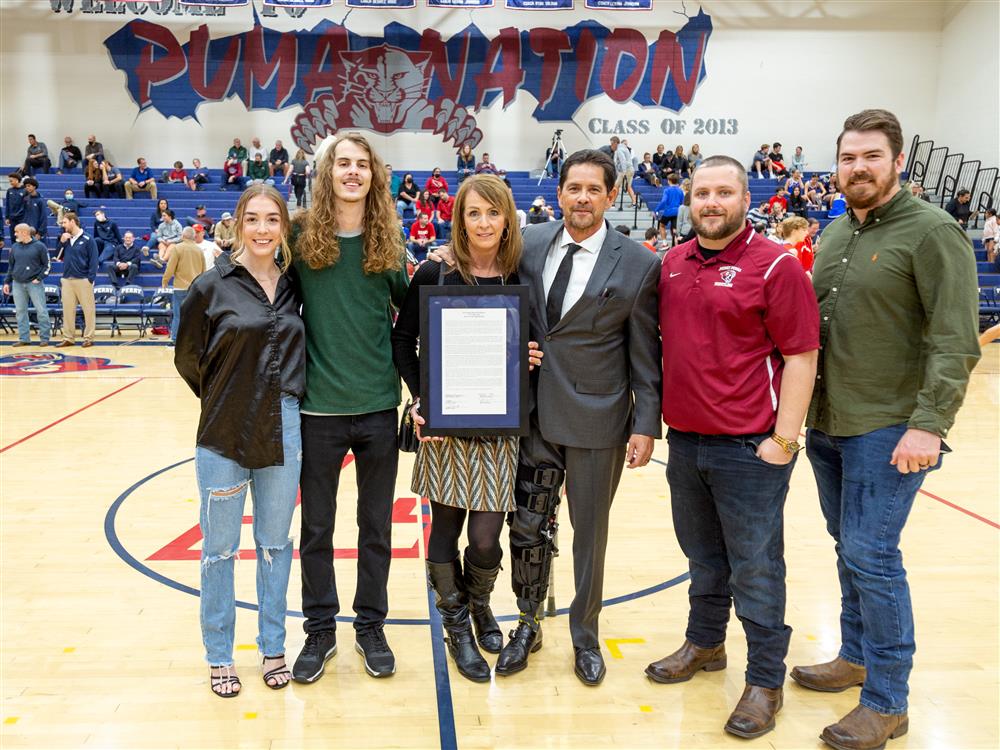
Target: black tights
x,y
484,535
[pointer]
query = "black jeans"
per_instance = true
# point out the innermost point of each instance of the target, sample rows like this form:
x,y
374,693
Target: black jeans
x,y
325,442
728,511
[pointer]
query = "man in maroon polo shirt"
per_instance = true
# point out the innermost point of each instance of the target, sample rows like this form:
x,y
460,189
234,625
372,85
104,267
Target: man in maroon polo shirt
x,y
740,331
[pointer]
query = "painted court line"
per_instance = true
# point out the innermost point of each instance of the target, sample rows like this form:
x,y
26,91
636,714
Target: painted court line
x,y
71,414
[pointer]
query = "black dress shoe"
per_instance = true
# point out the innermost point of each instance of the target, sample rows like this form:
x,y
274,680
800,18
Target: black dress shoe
x,y
524,640
590,665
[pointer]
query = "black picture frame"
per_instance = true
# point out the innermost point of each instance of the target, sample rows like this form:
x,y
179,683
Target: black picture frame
x,y
434,300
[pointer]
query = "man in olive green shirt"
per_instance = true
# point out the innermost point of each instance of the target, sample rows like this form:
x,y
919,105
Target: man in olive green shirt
x,y
349,265
896,284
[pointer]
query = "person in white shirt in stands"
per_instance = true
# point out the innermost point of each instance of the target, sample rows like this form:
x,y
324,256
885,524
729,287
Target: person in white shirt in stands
x,y
991,235
799,160
209,249
255,148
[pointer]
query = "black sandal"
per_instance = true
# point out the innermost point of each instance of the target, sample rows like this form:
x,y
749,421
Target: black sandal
x,y
273,674
226,676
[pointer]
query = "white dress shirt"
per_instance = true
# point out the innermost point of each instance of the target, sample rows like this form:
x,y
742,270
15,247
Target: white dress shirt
x,y
583,264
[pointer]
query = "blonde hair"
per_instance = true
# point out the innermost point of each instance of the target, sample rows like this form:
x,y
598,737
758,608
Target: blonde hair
x,y
317,242
267,191
790,225
494,191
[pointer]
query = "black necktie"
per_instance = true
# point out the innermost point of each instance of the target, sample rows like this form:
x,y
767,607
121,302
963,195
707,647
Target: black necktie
x,y
557,292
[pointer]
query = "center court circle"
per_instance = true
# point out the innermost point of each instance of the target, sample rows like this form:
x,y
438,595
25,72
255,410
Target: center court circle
x,y
112,536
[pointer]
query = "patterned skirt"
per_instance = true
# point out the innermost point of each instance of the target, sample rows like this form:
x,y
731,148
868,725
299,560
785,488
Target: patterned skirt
x,y
470,473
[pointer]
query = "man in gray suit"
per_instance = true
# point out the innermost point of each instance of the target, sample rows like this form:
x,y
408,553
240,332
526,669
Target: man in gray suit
x,y
597,400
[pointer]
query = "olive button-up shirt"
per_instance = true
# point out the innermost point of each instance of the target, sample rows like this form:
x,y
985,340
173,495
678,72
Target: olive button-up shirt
x,y
898,306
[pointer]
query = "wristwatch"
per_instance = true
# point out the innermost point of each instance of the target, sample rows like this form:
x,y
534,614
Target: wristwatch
x,y
789,446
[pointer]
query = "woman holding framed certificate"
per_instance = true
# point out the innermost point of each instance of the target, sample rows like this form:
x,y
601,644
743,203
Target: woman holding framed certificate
x,y
465,477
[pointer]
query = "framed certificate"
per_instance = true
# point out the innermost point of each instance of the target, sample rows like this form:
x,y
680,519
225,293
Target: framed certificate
x,y
474,360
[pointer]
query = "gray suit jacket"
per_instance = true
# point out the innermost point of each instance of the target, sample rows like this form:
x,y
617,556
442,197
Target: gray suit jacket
x,y
600,377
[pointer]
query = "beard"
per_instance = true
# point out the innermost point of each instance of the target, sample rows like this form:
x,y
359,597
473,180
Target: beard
x,y
582,221
868,194
731,223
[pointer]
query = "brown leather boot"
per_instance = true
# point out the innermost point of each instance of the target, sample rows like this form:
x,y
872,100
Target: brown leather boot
x,y
754,714
864,729
681,665
831,677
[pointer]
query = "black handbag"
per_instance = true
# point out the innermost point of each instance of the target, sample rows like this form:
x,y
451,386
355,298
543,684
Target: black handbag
x,y
406,440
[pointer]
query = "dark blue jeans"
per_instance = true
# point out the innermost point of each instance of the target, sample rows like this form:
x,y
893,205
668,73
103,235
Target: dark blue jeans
x,y
866,501
728,507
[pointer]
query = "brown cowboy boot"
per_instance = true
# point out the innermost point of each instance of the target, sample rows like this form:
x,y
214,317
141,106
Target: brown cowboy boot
x,y
754,714
681,665
864,729
830,677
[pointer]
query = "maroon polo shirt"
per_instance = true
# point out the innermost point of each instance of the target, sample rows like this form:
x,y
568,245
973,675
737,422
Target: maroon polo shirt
x,y
725,324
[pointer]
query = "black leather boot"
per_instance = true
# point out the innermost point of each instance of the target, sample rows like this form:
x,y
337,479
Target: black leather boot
x,y
479,585
524,640
452,602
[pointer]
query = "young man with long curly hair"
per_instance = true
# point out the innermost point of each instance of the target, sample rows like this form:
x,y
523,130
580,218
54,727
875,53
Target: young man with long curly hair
x,y
349,263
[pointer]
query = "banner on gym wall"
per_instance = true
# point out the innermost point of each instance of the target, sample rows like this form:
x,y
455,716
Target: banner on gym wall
x,y
619,4
540,4
381,3
300,3
405,79
459,3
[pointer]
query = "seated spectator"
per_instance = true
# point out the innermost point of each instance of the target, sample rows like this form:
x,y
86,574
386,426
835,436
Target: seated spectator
x,y
277,160
660,159
650,239
778,214
812,236
436,183
795,179
762,161
684,225
209,249
426,204
68,203
141,179
27,266
780,196
258,172
35,214
201,217
232,174
960,208
647,170
198,175
778,161
37,157
156,218
540,212
815,191
624,230
93,179
836,204
421,236
225,232
106,234
407,195
917,190
168,234
793,233
799,160
123,266
761,214
94,152
466,164
797,202
177,174
991,236
694,157
393,179
299,171
113,182
69,155
445,209
487,167
677,162
254,151
237,151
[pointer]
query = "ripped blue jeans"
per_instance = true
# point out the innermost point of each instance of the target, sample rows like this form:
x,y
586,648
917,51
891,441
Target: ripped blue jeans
x,y
223,488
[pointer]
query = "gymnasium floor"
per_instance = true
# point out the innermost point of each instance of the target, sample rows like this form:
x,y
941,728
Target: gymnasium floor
x,y
99,574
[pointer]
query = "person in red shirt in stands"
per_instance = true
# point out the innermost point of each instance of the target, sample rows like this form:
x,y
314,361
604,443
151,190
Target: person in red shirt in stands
x,y
780,196
436,183
794,233
421,236
651,237
740,336
178,173
445,207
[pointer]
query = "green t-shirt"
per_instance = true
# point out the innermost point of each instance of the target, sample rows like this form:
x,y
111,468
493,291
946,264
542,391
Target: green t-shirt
x,y
348,316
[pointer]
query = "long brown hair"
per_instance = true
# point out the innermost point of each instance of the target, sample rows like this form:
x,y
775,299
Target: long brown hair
x,y
494,191
284,259
317,242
